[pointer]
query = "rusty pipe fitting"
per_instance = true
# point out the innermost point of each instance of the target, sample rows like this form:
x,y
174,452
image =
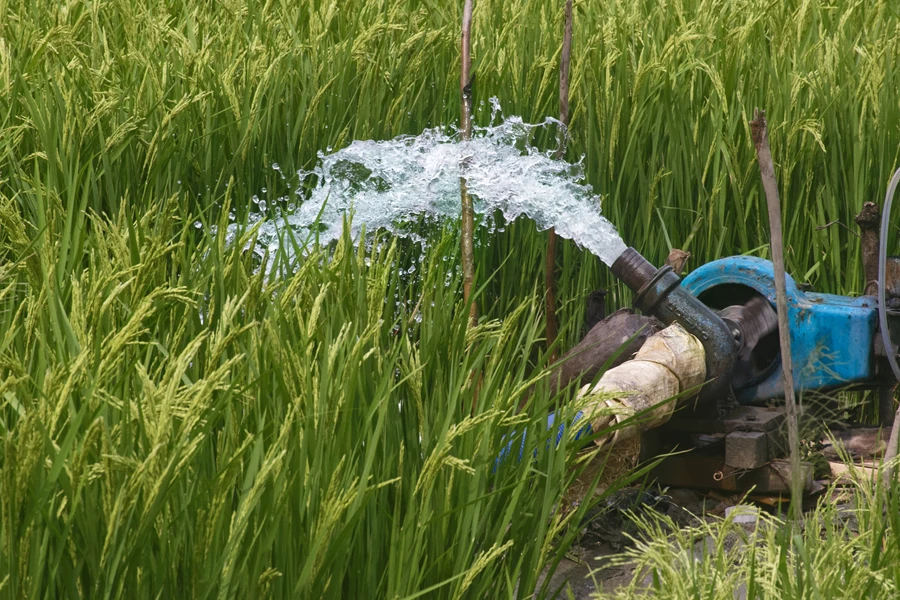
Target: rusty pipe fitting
x,y
658,292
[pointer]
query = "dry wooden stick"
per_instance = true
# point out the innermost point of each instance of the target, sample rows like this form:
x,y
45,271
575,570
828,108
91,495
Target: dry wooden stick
x,y
550,265
467,222
760,134
467,226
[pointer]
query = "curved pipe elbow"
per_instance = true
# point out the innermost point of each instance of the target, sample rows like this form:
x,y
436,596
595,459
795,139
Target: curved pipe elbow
x,y
658,292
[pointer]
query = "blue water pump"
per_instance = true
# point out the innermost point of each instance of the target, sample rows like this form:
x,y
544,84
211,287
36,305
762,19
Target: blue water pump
x,y
729,305
832,337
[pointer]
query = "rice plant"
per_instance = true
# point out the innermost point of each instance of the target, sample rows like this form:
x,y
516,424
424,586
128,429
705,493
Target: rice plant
x,y
174,423
156,98
177,423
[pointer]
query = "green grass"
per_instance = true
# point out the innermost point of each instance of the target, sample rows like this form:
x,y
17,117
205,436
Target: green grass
x,y
174,424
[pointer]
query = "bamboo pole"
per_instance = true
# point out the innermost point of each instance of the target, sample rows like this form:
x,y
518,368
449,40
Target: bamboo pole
x,y
467,226
550,265
760,134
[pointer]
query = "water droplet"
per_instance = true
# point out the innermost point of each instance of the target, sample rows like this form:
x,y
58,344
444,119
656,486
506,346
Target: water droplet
x,y
264,190
197,224
276,167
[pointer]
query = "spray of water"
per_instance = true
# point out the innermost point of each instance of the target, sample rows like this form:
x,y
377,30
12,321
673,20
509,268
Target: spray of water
x,y
383,184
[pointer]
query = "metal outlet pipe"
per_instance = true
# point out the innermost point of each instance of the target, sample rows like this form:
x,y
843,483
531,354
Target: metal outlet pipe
x,y
658,292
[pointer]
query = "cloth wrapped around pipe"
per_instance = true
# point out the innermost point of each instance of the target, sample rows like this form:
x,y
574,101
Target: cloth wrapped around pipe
x,y
669,363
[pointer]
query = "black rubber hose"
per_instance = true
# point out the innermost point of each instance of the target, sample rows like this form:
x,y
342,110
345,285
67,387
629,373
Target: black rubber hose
x,y
882,268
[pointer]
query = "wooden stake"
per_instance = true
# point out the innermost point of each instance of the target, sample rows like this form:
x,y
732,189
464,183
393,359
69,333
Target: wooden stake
x,y
550,265
467,226
760,134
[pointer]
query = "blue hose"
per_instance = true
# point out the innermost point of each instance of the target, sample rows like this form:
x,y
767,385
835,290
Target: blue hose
x,y
551,421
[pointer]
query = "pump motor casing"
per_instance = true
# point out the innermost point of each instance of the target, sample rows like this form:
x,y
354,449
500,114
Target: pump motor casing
x,y
832,337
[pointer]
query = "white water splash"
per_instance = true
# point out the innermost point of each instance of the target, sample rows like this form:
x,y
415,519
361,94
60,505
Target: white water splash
x,y
383,183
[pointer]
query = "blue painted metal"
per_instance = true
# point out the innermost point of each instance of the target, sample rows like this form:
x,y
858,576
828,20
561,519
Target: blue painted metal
x,y
832,337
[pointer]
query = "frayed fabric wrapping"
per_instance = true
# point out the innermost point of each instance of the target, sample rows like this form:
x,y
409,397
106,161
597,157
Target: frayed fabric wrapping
x,y
680,352
670,362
